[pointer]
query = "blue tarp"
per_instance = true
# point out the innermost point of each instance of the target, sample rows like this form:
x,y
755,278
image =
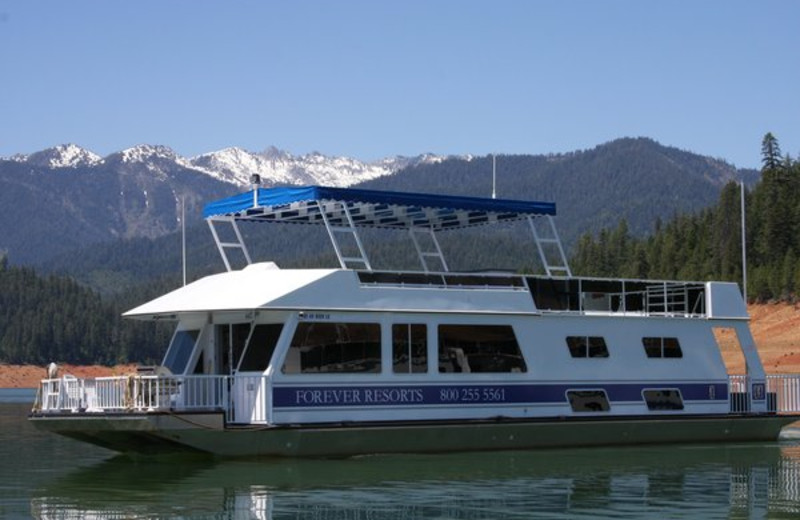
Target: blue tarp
x,y
374,208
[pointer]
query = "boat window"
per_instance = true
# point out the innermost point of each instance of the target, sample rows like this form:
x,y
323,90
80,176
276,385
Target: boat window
x,y
409,348
663,399
662,347
588,400
587,346
334,347
232,339
198,367
259,349
479,348
180,350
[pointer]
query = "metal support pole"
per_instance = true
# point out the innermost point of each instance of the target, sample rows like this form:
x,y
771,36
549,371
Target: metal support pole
x,y
744,250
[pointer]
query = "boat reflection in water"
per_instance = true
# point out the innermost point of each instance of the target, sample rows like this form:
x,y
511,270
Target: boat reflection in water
x,y
701,481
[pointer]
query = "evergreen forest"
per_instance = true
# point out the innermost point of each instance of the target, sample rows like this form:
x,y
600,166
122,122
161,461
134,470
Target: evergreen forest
x,y
707,245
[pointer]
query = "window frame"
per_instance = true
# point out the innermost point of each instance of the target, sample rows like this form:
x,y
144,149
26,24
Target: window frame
x,y
170,355
376,344
586,346
248,348
413,368
663,409
662,347
458,358
605,407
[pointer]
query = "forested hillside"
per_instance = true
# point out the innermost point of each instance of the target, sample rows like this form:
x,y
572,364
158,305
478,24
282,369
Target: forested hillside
x,y
56,319
707,244
636,179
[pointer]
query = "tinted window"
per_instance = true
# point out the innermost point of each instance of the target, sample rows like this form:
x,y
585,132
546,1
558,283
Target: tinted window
x,y
662,347
587,346
180,350
588,400
663,399
479,348
672,348
409,348
334,347
259,349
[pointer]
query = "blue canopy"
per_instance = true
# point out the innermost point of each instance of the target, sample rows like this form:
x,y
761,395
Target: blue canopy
x,y
372,208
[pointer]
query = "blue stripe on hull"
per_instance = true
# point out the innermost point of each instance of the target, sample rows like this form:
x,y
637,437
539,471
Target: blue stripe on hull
x,y
368,395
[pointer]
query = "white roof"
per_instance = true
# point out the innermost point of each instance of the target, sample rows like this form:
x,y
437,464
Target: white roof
x,y
264,286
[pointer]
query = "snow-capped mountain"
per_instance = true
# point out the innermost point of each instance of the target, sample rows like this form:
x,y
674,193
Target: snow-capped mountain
x,y
234,165
61,156
73,197
275,166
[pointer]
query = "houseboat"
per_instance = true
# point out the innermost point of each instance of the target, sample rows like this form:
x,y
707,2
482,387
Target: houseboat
x,y
266,361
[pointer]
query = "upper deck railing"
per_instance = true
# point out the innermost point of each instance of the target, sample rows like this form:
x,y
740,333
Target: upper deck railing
x,y
561,294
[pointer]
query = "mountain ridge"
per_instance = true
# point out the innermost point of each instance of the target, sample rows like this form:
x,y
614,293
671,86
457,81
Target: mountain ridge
x,y
234,165
54,205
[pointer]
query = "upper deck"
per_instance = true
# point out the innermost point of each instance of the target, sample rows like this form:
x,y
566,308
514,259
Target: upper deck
x,y
357,285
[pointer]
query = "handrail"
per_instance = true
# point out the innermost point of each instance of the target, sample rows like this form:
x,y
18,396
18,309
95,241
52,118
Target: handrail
x,y
133,393
786,391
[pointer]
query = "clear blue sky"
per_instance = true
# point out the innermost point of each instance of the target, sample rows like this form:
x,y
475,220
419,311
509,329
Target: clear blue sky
x,y
372,78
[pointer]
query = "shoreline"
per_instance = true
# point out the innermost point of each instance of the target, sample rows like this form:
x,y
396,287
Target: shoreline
x,y
775,328
29,376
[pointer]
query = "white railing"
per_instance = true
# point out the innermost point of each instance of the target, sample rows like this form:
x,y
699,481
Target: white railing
x,y
786,391
137,393
782,393
738,394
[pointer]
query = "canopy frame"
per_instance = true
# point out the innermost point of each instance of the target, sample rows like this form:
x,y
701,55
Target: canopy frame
x,y
344,210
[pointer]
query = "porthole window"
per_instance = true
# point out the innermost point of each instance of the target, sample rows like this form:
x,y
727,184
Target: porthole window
x,y
587,346
588,400
663,399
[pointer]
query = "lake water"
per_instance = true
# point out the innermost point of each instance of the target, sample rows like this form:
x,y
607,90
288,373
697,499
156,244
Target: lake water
x,y
49,477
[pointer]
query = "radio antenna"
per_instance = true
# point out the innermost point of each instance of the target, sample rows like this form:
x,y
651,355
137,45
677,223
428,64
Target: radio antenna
x,y
494,177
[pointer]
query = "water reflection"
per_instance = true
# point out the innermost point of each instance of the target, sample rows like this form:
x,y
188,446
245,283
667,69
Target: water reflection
x,y
731,481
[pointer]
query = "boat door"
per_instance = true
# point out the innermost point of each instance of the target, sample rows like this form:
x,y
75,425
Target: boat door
x,y
250,346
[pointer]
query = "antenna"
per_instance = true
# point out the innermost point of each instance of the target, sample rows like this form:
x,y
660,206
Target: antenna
x,y
494,177
255,180
744,248
183,235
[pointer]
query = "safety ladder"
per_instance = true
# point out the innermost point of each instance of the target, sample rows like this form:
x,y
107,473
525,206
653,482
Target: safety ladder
x,y
328,210
549,247
434,251
237,243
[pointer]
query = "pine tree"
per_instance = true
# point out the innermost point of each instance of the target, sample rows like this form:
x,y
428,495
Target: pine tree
x,y
770,152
